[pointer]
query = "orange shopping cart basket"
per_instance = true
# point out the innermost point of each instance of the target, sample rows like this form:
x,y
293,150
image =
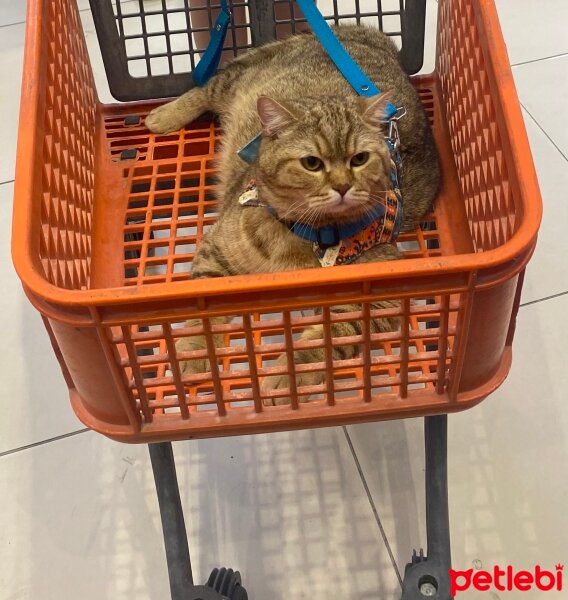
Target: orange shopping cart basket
x,y
108,216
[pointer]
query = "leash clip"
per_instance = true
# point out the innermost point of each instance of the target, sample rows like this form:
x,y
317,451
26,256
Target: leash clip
x,y
394,136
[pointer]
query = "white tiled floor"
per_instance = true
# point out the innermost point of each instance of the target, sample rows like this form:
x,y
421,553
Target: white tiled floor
x,y
78,513
507,460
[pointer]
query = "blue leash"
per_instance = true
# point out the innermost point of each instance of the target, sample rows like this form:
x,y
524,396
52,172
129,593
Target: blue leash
x,y
352,72
355,76
209,63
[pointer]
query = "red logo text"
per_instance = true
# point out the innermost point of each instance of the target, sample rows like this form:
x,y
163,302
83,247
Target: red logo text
x,y
506,580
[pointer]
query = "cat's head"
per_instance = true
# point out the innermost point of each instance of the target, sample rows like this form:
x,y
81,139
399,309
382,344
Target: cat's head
x,y
323,160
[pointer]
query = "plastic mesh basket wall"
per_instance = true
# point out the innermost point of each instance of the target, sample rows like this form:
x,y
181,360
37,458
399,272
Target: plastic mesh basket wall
x,y
150,47
107,218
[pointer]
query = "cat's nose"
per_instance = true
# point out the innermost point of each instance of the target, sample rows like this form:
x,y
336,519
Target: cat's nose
x,y
342,188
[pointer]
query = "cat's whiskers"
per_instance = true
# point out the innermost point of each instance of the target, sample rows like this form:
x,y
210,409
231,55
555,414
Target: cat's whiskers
x,y
309,206
368,210
315,217
305,216
312,217
293,207
379,196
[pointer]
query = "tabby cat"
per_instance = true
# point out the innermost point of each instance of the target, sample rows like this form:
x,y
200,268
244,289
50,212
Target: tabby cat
x,y
323,160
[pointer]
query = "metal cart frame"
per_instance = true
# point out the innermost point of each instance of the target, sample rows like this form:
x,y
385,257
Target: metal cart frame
x,y
426,575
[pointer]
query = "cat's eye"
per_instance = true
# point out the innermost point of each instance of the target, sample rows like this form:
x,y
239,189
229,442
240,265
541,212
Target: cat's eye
x,y
359,159
312,163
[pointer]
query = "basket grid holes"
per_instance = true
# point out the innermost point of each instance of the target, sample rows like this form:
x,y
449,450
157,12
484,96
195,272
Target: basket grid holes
x,y
68,161
146,365
168,37
476,142
172,200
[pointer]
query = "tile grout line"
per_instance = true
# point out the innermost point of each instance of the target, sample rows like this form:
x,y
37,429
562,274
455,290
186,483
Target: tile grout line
x,y
535,60
543,131
531,302
43,442
12,24
372,503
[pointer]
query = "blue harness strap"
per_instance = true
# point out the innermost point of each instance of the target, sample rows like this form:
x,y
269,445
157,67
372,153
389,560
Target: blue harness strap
x,y
352,72
341,58
209,63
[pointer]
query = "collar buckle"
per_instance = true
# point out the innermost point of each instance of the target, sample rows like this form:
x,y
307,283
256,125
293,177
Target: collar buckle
x,y
328,236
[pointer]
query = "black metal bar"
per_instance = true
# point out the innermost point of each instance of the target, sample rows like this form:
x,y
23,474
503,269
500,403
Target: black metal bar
x,y
413,25
118,56
428,576
223,583
173,524
437,517
263,27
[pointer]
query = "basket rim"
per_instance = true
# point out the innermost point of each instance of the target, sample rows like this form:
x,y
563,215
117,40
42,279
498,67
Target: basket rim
x,y
516,248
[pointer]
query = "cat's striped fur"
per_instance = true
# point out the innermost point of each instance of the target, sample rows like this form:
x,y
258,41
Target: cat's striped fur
x,y
292,92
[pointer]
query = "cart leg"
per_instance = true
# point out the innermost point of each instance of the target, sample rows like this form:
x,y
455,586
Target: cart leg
x,y
173,524
222,583
427,576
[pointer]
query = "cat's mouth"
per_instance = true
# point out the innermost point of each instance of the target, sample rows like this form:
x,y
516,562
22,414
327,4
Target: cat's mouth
x,y
332,208
338,207
343,206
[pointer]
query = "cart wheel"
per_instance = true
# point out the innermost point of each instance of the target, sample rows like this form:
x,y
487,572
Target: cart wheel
x,y
228,583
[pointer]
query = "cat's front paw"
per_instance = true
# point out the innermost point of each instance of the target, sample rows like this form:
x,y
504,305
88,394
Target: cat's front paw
x,y
166,118
282,382
193,366
276,382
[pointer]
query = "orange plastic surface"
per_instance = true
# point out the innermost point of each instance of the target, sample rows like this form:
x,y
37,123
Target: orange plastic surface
x,y
104,247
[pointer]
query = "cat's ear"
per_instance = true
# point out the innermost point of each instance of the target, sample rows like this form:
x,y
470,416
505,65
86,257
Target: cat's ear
x,y
373,109
273,116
